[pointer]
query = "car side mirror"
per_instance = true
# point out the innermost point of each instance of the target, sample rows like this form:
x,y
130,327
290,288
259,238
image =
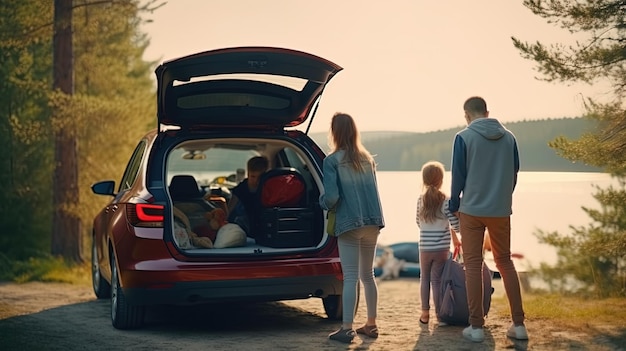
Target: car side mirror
x,y
105,187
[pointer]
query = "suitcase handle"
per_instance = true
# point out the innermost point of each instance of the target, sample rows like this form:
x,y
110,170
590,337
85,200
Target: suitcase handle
x,y
457,255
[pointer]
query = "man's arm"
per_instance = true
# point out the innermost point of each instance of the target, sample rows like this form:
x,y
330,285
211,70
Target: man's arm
x,y
459,173
516,163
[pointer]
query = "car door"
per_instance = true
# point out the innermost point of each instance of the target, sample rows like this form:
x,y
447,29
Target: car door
x,y
110,212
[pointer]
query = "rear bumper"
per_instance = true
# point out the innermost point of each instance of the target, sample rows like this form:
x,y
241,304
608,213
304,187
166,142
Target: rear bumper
x,y
168,281
266,289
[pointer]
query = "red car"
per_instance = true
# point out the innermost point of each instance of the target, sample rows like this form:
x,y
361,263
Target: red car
x,y
160,239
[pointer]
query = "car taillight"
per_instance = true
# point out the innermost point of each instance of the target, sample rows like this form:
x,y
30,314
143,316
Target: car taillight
x,y
145,215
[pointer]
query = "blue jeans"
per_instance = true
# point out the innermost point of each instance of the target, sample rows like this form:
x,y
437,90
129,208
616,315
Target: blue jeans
x,y
357,249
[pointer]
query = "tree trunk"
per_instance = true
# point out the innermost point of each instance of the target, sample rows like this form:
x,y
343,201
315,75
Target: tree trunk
x,y
66,225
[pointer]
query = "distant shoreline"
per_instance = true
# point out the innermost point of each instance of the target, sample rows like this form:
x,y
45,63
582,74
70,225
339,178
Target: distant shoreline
x,y
408,151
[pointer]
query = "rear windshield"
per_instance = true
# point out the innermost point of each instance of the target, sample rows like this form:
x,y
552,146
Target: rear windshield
x,y
207,165
231,99
259,91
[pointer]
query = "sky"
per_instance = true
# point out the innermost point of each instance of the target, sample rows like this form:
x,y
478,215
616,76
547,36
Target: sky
x,y
408,65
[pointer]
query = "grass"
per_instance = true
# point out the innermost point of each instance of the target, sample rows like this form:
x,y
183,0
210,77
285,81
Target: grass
x,y
45,269
576,313
572,309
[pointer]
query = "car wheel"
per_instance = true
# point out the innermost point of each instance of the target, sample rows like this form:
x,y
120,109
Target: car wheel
x,y
101,287
333,306
123,314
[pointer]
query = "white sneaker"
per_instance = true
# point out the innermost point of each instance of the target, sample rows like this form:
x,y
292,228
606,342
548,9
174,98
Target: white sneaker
x,y
474,334
517,332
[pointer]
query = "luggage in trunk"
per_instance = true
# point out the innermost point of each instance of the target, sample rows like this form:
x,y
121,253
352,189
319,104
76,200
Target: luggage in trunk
x,y
286,219
286,227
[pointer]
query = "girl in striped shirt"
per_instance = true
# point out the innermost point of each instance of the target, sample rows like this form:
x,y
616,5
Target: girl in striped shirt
x,y
438,226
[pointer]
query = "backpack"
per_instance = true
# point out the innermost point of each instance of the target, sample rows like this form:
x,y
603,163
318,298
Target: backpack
x,y
282,187
453,308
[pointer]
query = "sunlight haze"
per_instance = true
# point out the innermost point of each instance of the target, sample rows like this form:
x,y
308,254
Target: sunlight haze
x,y
408,65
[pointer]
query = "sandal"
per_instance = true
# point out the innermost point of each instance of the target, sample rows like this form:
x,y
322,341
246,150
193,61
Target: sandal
x,y
342,335
369,330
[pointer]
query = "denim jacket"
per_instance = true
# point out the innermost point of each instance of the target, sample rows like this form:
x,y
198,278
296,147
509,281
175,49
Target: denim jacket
x,y
354,194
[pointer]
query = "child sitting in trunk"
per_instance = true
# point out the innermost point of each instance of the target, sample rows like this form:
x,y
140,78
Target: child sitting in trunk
x,y
243,206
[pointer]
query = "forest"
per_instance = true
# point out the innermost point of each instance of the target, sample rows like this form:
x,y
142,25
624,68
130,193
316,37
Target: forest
x,y
76,97
408,151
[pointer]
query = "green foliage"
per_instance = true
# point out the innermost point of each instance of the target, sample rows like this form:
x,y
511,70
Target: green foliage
x,y
25,66
43,268
604,147
586,265
113,106
601,56
592,255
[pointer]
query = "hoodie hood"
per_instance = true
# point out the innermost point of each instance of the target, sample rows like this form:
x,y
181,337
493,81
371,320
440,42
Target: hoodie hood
x,y
489,128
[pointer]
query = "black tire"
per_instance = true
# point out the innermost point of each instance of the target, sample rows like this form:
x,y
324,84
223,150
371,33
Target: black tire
x,y
101,287
123,314
333,306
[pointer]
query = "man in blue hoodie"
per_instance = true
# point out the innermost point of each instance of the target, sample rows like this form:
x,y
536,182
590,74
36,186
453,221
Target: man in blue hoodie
x,y
485,163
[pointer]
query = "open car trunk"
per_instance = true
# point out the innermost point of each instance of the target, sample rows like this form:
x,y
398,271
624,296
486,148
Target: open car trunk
x,y
200,174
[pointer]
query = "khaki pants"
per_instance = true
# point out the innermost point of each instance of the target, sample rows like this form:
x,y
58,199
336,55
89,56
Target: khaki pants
x,y
473,235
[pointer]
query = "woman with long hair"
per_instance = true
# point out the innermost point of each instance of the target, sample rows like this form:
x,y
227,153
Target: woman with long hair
x,y
350,188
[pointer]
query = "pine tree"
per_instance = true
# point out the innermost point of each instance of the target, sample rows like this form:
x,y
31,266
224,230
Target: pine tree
x,y
111,107
593,255
26,162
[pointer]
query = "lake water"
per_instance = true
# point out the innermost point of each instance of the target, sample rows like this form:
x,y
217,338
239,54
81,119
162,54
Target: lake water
x,y
550,201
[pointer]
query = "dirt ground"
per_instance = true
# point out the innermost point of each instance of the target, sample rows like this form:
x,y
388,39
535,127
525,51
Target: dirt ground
x,y
51,316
